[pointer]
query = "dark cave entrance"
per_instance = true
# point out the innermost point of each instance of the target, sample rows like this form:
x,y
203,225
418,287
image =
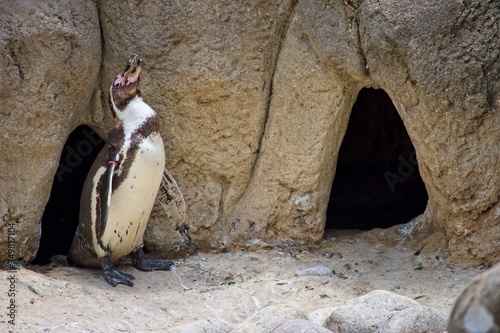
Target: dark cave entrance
x,y
377,182
60,218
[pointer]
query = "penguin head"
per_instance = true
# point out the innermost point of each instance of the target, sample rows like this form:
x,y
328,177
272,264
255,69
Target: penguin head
x,y
125,85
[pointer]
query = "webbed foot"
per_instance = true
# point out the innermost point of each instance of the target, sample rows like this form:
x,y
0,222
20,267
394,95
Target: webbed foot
x,y
141,262
114,277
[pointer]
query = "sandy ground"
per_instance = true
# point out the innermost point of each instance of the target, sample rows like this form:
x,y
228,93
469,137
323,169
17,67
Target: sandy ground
x,y
230,286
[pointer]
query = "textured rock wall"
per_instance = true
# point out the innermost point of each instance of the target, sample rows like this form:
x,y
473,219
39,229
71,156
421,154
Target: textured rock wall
x,y
439,64
288,193
254,100
50,60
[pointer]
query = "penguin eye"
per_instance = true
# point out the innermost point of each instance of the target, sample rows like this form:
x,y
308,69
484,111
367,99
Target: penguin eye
x,y
117,85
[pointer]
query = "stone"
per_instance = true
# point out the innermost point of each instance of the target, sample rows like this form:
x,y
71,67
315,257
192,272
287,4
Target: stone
x,y
320,316
203,326
383,311
300,326
318,270
422,319
267,319
50,61
477,309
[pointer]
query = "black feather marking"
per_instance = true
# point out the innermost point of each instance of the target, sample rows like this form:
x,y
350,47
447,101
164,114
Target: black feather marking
x,y
171,199
105,190
104,199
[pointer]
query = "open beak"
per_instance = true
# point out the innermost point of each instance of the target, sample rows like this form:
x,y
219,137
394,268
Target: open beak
x,y
133,69
130,73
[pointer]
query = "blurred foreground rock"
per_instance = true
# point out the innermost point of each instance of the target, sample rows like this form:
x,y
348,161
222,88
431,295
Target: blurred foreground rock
x,y
477,310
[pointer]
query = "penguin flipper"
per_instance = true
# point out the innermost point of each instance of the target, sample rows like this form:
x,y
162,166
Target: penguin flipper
x,y
105,197
172,201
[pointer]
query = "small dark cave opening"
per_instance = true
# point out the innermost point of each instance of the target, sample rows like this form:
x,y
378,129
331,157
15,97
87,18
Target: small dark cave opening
x,y
60,218
377,182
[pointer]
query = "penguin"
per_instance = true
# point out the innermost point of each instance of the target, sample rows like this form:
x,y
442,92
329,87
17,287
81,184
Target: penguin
x,y
122,186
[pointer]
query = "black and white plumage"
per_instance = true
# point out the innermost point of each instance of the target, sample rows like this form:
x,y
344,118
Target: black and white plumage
x,y
122,185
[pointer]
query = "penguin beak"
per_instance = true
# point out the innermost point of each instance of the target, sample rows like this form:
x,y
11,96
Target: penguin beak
x,y
133,69
131,72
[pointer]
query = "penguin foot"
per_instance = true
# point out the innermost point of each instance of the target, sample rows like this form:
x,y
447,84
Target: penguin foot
x,y
141,262
114,277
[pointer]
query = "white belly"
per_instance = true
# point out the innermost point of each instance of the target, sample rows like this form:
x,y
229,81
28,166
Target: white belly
x,y
133,200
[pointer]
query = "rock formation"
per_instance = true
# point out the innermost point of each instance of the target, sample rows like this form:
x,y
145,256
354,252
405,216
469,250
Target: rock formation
x,y
255,100
50,60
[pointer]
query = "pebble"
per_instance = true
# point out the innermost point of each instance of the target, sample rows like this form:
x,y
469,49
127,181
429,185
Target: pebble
x,y
318,270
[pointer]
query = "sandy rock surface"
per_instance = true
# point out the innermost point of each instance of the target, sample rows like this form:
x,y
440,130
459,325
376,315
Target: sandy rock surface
x,y
50,58
236,291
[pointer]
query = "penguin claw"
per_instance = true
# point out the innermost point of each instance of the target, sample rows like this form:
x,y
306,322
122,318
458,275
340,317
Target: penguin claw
x,y
141,262
154,264
114,277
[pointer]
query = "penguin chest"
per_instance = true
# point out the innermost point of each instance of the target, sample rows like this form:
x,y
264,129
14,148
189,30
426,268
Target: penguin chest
x,y
133,199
